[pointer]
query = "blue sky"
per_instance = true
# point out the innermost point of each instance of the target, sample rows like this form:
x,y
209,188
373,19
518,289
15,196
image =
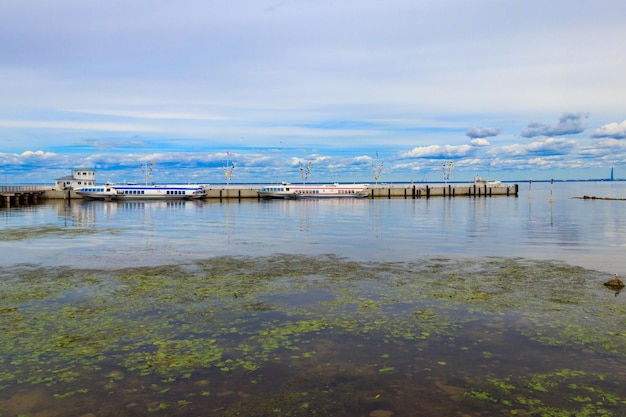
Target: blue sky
x,y
508,90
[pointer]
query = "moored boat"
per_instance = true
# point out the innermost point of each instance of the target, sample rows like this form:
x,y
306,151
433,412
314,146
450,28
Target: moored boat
x,y
142,192
482,182
335,190
282,191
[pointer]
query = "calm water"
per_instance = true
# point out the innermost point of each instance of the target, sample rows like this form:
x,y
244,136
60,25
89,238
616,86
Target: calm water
x,y
379,308
588,233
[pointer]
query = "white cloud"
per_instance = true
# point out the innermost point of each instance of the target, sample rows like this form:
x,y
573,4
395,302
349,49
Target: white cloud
x,y
480,142
437,151
550,146
38,153
76,125
138,114
611,130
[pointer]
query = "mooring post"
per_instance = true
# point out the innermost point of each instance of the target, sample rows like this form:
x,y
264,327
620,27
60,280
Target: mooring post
x,y
427,191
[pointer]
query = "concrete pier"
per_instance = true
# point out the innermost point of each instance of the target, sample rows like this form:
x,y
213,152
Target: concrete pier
x,y
412,191
22,195
232,192
11,196
443,190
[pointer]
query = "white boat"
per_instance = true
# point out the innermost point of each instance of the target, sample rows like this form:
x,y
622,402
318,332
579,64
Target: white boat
x,y
282,191
336,190
481,182
142,192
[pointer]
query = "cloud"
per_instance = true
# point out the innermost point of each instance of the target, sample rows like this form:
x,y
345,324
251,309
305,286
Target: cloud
x,y
569,124
73,124
547,147
481,133
100,144
480,142
153,114
438,151
38,154
611,130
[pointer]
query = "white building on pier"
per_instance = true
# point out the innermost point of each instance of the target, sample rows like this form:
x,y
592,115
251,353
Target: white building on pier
x,y
81,177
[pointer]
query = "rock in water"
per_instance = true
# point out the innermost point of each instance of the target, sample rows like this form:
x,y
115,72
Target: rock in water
x,y
615,283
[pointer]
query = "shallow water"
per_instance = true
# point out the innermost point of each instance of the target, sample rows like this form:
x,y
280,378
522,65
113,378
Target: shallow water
x,y
299,335
441,307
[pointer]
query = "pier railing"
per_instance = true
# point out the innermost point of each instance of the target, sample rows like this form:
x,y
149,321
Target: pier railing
x,y
24,188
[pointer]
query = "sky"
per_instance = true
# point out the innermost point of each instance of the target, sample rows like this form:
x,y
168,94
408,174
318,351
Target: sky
x,y
240,91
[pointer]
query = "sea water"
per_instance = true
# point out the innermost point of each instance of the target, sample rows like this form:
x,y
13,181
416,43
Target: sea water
x,y
545,221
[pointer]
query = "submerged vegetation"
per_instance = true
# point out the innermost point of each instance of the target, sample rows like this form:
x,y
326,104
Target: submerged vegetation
x,y
33,232
303,336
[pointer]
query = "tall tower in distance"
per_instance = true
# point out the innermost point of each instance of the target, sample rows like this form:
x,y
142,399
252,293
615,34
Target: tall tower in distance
x,y
612,177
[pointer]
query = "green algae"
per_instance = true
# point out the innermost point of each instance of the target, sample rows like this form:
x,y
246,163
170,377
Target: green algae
x,y
172,335
581,394
39,232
